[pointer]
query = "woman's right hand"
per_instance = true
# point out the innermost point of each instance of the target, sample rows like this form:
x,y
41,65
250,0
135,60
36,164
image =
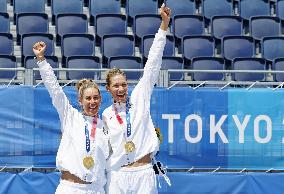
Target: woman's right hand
x,y
165,13
39,49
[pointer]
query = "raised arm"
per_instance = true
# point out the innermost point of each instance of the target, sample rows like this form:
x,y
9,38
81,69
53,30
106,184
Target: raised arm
x,y
59,99
153,64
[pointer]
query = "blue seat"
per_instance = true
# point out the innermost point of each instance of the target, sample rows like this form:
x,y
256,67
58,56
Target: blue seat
x,y
146,24
70,24
103,7
31,23
86,62
217,7
249,8
208,63
261,26
187,25
6,44
4,23
272,48
147,42
237,46
77,45
127,62
226,26
117,45
61,7
181,7
30,62
3,6
280,9
29,6
173,63
28,40
278,65
7,61
138,7
248,64
197,46
110,24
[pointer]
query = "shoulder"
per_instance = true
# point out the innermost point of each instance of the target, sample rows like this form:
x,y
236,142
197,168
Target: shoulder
x,y
107,112
102,129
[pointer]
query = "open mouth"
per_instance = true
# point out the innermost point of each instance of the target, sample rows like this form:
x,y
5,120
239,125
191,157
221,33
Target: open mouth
x,y
92,108
121,96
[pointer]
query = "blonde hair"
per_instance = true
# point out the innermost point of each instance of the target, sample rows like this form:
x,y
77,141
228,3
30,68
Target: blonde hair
x,y
83,84
112,72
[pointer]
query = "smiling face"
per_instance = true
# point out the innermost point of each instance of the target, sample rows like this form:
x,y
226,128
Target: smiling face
x,y
118,87
90,101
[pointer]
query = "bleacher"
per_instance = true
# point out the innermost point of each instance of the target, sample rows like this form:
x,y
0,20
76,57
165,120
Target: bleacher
x,y
232,44
94,30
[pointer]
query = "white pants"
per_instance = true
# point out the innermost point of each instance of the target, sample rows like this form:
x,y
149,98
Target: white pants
x,y
135,180
67,187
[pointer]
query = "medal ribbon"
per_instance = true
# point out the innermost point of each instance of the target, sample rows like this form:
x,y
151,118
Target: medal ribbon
x,y
93,133
119,119
94,127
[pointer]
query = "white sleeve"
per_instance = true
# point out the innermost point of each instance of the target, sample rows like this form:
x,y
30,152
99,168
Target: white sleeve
x,y
152,67
59,99
107,134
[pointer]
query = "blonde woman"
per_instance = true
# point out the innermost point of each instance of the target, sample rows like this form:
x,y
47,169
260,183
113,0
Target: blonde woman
x,y
83,149
131,131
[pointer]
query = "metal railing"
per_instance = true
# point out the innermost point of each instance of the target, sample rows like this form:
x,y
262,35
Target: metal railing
x,y
163,79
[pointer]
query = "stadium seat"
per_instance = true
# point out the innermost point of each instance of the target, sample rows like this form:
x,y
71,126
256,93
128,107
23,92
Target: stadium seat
x,y
103,7
173,63
197,46
117,45
217,7
4,23
278,65
30,63
86,62
127,62
61,7
3,6
237,46
77,45
6,44
272,48
29,6
248,64
280,9
261,26
226,26
146,24
138,7
31,23
7,61
28,40
70,24
109,24
181,7
208,63
187,25
249,8
147,41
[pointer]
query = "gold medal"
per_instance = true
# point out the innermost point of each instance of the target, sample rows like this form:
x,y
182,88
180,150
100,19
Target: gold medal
x,y
129,146
88,162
